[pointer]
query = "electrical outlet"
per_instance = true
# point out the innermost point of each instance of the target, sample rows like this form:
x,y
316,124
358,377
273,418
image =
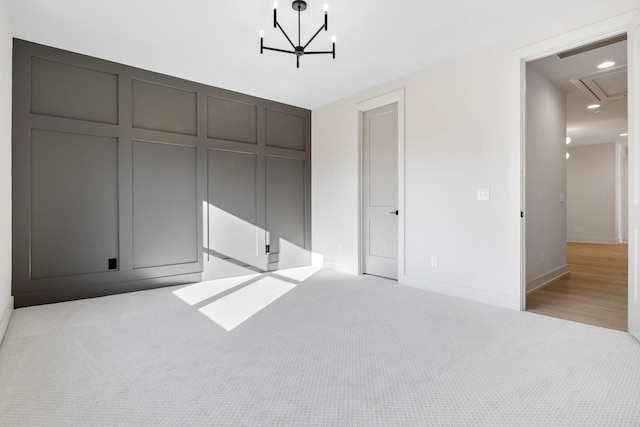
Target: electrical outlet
x,y
113,263
434,261
483,194
544,256
578,229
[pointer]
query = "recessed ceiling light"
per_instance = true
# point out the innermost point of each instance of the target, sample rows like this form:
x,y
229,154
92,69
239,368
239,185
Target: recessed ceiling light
x,y
568,140
568,155
624,134
606,64
593,106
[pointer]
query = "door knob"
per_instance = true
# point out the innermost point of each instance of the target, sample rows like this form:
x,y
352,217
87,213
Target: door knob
x,y
394,212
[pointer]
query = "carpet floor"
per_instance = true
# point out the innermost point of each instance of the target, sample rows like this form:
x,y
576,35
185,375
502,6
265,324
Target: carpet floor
x,y
327,350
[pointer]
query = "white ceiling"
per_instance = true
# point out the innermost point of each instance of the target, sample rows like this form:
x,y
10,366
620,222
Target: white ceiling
x,y
586,126
216,42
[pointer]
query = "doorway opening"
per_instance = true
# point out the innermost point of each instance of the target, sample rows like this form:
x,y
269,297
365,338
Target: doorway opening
x,y
576,254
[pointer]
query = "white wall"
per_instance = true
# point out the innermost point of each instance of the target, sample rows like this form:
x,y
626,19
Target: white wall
x,y
5,168
453,146
458,126
546,180
591,188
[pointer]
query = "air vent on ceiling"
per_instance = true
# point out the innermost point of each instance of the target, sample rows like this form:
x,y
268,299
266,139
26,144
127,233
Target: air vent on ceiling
x,y
591,46
605,85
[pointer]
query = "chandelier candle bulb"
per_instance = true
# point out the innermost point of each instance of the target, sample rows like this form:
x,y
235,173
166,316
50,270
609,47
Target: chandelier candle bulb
x,y
275,14
326,16
333,41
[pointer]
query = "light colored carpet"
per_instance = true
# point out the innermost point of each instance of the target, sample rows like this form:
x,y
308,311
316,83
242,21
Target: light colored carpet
x,y
334,350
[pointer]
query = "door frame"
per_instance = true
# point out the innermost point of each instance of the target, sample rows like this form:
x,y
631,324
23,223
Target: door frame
x,y
517,130
622,194
396,96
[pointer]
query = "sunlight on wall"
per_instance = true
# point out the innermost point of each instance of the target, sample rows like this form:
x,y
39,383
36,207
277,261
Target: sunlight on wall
x,y
231,242
233,236
293,251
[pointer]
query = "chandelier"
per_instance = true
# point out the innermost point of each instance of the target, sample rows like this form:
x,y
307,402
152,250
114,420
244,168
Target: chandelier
x,y
299,49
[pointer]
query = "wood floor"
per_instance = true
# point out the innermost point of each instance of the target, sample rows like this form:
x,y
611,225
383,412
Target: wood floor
x,y
595,290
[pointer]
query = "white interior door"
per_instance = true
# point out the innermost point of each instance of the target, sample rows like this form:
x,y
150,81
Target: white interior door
x,y
633,170
380,191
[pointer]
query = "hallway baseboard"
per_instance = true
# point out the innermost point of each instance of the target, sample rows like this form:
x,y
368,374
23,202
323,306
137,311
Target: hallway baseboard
x,y
544,279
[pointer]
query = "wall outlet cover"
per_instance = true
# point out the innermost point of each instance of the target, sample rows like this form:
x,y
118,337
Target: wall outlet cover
x,y
483,194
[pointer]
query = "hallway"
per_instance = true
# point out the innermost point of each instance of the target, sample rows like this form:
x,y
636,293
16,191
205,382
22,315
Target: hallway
x,y
595,290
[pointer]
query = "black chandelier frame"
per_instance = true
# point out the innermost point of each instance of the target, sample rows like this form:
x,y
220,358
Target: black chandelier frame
x,y
299,49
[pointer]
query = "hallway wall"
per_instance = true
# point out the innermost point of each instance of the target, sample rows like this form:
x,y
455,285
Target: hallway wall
x,y
546,180
591,187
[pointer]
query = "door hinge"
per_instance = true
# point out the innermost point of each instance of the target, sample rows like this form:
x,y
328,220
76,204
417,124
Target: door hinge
x,y
521,214
267,249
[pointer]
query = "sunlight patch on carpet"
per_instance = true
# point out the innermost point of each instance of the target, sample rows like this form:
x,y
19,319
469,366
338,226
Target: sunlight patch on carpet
x,y
234,309
198,292
299,274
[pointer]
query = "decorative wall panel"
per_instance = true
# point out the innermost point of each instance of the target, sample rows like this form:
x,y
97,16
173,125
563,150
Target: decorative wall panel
x,y
74,203
164,108
164,204
232,206
285,203
73,92
285,130
232,121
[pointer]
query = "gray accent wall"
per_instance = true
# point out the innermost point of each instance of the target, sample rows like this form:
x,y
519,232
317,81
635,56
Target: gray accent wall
x,y
125,179
546,180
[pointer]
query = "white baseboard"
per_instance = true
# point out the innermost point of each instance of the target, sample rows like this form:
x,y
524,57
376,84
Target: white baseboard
x,y
5,316
546,278
598,240
463,292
